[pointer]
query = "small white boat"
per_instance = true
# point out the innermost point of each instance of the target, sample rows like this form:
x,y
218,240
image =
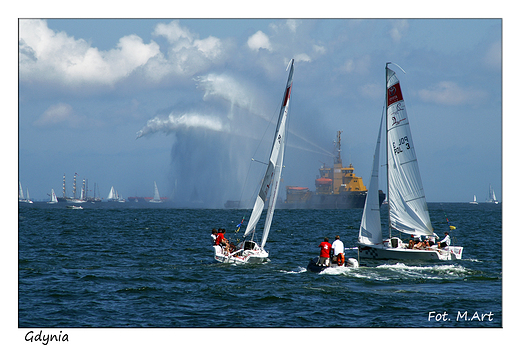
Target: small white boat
x,y
249,251
474,202
407,208
74,207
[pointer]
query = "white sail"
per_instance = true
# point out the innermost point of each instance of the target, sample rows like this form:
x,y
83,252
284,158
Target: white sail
x,y
406,199
492,197
112,194
28,200
54,199
156,196
20,192
271,180
370,228
274,194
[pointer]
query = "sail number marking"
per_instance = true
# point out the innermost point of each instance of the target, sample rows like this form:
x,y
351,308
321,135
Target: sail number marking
x,y
402,141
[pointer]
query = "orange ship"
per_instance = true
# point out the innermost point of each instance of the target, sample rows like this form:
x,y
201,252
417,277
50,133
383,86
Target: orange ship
x,y
336,188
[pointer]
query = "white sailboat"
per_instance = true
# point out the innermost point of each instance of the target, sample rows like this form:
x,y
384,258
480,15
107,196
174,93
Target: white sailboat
x,y
20,195
156,197
407,208
28,200
492,198
54,199
249,251
474,202
112,195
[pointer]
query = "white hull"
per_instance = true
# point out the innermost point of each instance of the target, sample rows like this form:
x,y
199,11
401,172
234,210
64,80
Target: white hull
x,y
253,255
74,207
76,201
402,253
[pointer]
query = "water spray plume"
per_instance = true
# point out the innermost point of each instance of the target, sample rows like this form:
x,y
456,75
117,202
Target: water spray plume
x,y
173,123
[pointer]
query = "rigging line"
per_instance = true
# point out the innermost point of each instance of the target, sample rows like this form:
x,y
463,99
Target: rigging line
x,y
253,160
256,160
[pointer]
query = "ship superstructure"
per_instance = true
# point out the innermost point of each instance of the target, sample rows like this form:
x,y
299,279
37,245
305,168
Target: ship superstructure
x,y
337,187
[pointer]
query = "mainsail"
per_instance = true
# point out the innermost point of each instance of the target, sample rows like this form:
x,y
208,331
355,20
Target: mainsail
x,y
271,180
156,196
53,196
406,199
112,194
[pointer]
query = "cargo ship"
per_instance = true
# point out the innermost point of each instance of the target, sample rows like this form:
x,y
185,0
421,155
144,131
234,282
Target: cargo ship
x,y
337,187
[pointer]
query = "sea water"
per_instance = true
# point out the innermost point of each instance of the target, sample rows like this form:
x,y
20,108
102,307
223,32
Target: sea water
x,y
125,266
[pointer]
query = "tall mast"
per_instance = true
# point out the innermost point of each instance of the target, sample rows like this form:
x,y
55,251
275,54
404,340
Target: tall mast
x,y
338,143
74,186
386,140
64,191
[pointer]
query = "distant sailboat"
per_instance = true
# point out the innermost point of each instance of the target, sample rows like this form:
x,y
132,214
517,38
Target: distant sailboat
x,y
28,200
156,197
21,197
20,193
492,198
474,202
114,196
54,199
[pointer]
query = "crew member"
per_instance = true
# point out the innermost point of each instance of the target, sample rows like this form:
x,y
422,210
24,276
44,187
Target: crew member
x,y
325,252
339,250
446,241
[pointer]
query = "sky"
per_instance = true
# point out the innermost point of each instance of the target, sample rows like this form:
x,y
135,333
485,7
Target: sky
x,y
189,102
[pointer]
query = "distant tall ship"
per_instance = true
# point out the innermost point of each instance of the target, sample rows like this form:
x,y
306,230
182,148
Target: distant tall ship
x,y
83,193
337,187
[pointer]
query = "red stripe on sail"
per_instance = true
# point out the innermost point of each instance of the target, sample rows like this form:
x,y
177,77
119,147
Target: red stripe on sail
x,y
394,94
287,95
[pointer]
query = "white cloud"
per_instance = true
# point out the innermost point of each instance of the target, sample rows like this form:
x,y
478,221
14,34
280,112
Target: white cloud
x,y
319,49
493,56
211,47
179,38
449,93
358,65
259,41
292,24
302,57
399,29
60,113
49,56
173,32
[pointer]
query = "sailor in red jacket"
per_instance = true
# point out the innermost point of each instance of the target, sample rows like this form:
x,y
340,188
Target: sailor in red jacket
x,y
325,252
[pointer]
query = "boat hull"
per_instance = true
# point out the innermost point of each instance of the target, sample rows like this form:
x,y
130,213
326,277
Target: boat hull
x,y
343,200
313,265
379,252
248,256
